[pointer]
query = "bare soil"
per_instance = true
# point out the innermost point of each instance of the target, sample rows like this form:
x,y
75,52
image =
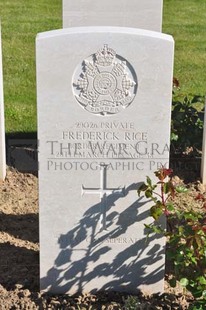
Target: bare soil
x,y
19,258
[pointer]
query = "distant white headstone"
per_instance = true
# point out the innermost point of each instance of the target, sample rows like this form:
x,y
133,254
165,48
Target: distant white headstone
x,y
144,14
203,161
2,127
104,104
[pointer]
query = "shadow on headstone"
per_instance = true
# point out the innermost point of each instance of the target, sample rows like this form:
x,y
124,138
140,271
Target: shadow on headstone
x,y
126,271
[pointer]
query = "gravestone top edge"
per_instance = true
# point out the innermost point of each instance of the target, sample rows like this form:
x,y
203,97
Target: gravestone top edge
x,y
103,29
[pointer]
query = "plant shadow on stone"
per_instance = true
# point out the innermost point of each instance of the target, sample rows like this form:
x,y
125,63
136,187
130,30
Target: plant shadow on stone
x,y
125,272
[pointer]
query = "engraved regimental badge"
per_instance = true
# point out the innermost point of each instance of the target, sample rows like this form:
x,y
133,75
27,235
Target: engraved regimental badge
x,y
105,83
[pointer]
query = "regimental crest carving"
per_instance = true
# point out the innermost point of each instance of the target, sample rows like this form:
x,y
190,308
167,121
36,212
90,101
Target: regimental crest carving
x,y
105,83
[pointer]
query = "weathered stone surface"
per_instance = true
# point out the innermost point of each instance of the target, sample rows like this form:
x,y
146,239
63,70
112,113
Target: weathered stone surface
x,y
104,103
144,14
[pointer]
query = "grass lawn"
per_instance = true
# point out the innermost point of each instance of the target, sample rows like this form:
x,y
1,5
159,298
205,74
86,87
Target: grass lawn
x,y
22,20
185,20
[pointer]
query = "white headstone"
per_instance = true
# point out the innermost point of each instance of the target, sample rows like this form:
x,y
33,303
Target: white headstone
x,y
144,14
104,103
2,127
203,161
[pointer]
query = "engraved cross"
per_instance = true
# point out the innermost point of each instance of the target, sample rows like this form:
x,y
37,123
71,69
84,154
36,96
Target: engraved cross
x,y
103,192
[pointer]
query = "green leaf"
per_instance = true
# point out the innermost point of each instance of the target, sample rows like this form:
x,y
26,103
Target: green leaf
x,y
149,182
166,188
174,137
142,188
193,260
147,226
170,207
148,193
198,240
155,212
173,282
184,282
202,280
197,293
197,306
158,229
181,189
190,216
204,294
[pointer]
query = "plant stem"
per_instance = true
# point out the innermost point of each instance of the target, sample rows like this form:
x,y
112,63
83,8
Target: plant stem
x,y
162,194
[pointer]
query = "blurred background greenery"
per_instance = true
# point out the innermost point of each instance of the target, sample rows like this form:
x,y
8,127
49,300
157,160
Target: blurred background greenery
x,y
21,21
